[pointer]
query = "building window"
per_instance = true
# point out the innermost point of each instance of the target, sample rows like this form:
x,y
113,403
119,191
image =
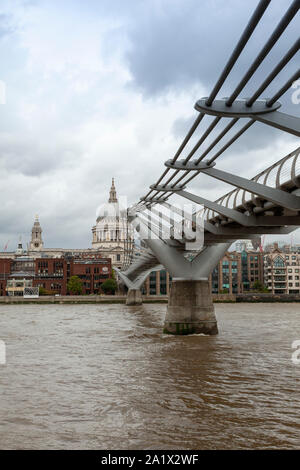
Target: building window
x,y
278,261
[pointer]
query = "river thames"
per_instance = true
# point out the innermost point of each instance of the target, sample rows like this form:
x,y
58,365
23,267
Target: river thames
x,y
105,377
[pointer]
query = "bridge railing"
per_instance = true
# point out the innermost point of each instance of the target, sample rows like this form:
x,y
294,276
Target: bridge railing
x,y
284,172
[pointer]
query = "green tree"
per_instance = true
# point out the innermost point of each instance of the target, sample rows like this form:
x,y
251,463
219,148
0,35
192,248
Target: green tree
x,y
109,286
225,291
258,286
42,291
75,285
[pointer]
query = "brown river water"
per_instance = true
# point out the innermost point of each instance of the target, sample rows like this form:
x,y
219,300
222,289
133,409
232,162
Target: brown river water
x,y
105,377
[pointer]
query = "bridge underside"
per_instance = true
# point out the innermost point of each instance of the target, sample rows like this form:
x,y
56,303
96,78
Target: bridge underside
x,y
190,308
269,203
237,215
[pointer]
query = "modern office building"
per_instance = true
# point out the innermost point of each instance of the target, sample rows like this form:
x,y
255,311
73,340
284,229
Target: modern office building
x,y
157,283
234,274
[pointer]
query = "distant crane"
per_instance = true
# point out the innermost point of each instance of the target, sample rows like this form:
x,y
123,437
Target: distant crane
x,y
5,248
262,242
292,240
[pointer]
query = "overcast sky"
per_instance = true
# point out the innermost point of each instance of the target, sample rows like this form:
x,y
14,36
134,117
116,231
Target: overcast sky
x,y
103,88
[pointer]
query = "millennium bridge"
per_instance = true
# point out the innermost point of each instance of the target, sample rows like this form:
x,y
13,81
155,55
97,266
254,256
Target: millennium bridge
x,y
188,243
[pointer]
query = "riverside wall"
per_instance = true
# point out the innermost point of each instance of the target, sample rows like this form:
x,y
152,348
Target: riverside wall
x,y
120,299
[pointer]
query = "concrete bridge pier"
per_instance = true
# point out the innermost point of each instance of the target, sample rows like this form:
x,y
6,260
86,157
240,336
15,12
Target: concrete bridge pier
x,y
190,308
134,297
134,281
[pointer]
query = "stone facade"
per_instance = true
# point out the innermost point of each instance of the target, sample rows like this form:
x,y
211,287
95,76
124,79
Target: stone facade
x,y
112,233
282,271
36,242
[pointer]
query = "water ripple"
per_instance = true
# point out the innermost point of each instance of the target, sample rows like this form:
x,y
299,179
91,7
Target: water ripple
x,y
104,376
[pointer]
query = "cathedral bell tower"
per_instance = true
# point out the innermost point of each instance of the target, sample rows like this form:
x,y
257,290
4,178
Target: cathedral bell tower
x,y
36,243
113,193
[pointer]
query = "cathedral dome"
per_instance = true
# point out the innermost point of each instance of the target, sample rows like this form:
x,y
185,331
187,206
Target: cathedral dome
x,y
111,210
112,229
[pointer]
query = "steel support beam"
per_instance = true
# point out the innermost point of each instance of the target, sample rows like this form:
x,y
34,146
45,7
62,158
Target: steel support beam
x,y
241,232
281,121
279,197
174,261
259,111
238,217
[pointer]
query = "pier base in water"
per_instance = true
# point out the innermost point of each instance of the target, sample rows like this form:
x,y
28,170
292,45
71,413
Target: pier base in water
x,y
134,297
190,309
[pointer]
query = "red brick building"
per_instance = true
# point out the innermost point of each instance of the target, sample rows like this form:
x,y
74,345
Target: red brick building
x,y
53,274
5,270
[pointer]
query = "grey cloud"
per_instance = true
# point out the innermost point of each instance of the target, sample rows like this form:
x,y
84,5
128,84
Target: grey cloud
x,y
182,125
32,158
189,42
5,26
12,221
174,44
